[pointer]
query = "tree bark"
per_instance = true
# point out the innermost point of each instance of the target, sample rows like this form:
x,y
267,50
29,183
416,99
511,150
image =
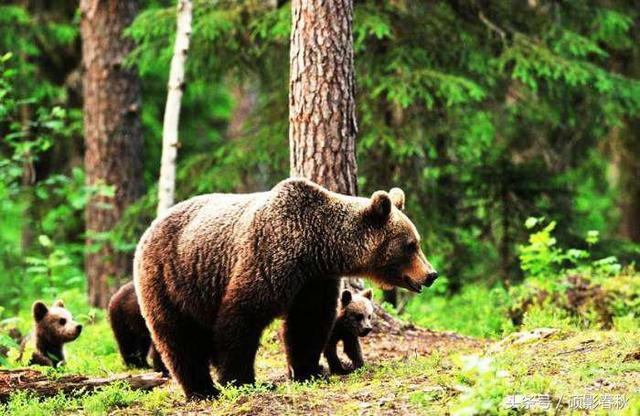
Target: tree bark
x,y
322,120
113,136
167,183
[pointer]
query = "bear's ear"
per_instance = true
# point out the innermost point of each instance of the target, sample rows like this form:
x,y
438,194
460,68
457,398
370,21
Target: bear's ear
x,y
345,299
397,197
59,303
380,207
367,293
39,310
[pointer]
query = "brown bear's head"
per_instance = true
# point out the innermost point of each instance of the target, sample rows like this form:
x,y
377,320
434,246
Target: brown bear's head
x,y
55,325
353,236
396,258
355,312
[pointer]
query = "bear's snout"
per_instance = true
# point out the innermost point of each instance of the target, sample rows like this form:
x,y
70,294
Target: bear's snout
x,y
431,277
78,330
365,331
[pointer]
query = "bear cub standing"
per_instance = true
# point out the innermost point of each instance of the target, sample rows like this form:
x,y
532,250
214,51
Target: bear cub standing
x,y
353,321
54,328
130,330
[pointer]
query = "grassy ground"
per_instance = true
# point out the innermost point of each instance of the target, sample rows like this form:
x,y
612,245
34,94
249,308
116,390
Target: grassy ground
x,y
414,371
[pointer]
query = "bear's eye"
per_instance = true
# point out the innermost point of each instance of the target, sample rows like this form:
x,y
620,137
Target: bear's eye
x,y
62,321
411,247
359,317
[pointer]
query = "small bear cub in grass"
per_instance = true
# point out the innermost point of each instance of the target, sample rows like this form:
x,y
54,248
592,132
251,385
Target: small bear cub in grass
x,y
353,321
54,328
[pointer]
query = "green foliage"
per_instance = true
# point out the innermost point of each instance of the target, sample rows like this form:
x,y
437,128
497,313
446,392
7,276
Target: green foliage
x,y
475,311
46,212
502,118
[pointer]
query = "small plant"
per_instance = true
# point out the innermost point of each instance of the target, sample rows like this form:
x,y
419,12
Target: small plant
x,y
484,387
543,261
568,281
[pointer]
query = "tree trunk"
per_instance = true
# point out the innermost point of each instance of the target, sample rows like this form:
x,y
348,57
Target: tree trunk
x,y
322,121
322,109
167,183
113,136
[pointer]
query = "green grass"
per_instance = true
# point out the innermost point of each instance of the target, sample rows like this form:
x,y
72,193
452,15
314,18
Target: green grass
x,y
457,380
476,311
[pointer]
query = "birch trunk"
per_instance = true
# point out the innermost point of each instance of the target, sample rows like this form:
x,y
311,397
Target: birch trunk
x,y
167,181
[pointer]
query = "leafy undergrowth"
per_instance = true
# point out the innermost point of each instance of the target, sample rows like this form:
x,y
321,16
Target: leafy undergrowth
x,y
413,372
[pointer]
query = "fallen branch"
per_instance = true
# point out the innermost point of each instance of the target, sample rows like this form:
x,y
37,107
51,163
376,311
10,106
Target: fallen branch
x,y
36,382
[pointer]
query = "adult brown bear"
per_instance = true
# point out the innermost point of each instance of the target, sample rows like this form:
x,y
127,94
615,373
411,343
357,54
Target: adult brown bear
x,y
216,269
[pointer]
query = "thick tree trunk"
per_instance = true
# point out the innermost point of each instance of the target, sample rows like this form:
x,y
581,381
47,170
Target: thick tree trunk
x,y
113,136
322,109
167,183
322,94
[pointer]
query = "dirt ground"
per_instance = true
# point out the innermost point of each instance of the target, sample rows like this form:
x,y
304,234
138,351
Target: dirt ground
x,y
366,395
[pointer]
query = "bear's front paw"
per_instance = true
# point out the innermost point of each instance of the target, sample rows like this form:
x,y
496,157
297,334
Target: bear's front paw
x,y
340,369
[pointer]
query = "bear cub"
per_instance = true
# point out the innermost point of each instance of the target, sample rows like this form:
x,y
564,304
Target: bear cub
x,y
54,327
130,330
353,321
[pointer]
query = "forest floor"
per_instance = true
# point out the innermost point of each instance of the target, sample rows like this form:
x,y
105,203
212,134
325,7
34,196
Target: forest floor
x,y
409,371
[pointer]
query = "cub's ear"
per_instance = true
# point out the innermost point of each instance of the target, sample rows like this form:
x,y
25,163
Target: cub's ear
x,y
39,310
380,207
345,298
397,197
59,303
367,293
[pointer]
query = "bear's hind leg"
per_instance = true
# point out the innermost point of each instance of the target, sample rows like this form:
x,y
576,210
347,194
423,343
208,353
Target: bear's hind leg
x,y
237,340
308,325
158,365
184,347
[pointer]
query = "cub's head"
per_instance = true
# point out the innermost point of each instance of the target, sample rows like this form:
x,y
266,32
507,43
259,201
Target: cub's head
x,y
395,257
355,312
55,324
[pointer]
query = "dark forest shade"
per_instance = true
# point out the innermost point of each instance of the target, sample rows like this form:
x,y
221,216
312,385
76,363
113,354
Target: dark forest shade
x,y
113,135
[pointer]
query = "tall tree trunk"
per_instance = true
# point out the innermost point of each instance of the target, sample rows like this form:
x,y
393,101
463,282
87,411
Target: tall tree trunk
x,y
167,183
322,116
322,109
113,136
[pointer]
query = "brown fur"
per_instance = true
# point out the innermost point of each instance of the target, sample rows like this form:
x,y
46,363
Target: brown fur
x,y
54,327
216,269
353,321
130,330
